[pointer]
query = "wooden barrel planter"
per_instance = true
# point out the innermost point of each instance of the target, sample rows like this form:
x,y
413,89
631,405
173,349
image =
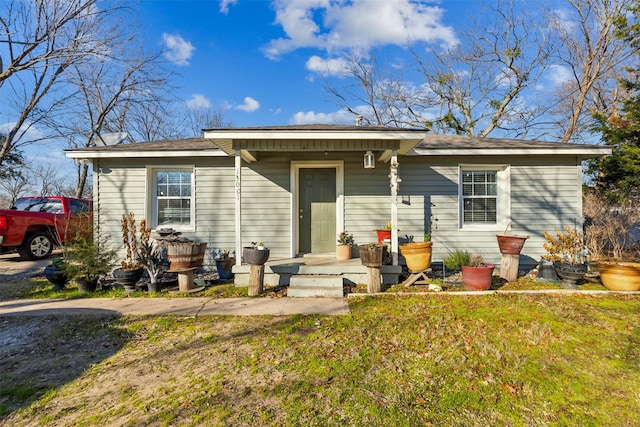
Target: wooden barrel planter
x,y
184,255
372,255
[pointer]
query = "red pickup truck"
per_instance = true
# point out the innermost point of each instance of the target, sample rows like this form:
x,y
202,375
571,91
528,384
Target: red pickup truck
x,y
34,225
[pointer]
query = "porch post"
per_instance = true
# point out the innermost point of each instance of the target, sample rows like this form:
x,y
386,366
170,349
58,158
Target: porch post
x,y
393,177
238,188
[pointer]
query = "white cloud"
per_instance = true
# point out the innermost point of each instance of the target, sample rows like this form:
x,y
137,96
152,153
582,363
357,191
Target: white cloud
x,y
197,102
337,24
327,67
558,75
179,50
250,105
311,117
224,5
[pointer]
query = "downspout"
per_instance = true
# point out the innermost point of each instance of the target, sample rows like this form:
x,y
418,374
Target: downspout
x,y
394,180
238,190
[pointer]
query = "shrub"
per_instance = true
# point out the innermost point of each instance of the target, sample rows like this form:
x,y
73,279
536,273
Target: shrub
x,y
456,259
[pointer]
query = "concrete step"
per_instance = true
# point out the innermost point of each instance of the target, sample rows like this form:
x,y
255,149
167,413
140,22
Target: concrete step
x,y
315,286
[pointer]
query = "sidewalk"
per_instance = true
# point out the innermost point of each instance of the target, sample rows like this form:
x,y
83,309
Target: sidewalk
x,y
176,306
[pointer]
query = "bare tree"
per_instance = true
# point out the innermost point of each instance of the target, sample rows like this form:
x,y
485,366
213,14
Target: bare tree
x,y
593,54
103,94
41,40
13,187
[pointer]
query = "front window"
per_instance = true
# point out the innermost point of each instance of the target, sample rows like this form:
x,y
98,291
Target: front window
x,y
173,198
480,196
484,196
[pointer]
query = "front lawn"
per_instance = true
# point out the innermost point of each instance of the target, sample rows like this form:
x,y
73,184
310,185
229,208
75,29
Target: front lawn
x,y
403,360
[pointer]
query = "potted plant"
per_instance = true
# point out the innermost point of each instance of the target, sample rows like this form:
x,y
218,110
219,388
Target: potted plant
x,y
384,233
510,244
88,256
54,272
612,239
345,243
568,253
477,274
417,255
256,254
150,257
224,264
372,254
130,270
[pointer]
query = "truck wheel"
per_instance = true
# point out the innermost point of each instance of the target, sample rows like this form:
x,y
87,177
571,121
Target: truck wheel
x,y
36,246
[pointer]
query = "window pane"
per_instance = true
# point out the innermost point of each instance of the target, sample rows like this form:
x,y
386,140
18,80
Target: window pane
x,y
173,197
479,194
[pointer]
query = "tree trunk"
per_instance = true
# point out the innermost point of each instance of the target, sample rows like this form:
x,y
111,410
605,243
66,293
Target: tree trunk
x,y
509,267
374,282
256,280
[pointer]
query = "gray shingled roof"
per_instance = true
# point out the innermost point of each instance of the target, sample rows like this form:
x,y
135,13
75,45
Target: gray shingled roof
x,y
190,144
458,142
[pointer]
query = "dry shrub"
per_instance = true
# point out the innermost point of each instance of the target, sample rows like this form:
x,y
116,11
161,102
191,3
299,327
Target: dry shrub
x,y
607,227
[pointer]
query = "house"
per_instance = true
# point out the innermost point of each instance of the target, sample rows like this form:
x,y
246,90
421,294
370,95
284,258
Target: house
x,y
296,187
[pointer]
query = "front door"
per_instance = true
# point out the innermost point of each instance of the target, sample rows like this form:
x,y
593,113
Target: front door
x,y
317,205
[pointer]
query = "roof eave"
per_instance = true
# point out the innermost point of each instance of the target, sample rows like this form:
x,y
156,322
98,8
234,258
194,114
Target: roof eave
x,y
82,154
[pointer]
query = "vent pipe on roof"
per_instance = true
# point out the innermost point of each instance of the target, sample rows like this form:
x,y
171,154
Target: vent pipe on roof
x,y
359,120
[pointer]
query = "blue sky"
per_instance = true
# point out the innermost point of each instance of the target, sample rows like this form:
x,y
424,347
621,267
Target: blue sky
x,y
260,61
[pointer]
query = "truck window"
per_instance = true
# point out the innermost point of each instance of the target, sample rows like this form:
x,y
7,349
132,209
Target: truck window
x,y
79,207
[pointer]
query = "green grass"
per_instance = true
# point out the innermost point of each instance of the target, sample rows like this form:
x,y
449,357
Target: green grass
x,y
404,360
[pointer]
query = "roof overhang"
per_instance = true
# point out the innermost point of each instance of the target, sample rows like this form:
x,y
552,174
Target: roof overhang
x,y
588,152
88,154
251,142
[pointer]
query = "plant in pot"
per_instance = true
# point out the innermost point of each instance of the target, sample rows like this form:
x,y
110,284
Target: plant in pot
x,y
224,263
345,243
417,255
510,244
568,253
612,239
55,274
372,254
477,274
384,233
88,257
150,258
130,270
256,254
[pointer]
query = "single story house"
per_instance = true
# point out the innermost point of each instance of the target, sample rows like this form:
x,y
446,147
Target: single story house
x,y
296,187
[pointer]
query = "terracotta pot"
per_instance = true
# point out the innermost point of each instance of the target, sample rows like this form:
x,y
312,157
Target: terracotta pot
x,y
569,274
255,256
477,278
417,255
620,276
510,245
343,252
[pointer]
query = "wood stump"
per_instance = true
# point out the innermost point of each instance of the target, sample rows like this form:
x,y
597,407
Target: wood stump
x,y
256,280
509,267
374,280
185,280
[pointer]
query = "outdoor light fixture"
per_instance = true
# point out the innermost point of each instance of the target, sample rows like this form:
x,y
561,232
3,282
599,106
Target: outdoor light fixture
x,y
369,160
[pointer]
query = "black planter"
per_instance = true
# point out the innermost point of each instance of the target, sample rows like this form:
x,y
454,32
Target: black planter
x,y
127,278
56,276
255,256
87,284
570,274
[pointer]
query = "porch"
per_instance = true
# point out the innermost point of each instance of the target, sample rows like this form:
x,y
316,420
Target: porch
x,y
316,275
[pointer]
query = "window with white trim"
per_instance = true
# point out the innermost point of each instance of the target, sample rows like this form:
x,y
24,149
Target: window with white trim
x,y
173,198
484,196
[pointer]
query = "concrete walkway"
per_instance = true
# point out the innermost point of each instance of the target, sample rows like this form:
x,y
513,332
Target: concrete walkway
x,y
176,306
